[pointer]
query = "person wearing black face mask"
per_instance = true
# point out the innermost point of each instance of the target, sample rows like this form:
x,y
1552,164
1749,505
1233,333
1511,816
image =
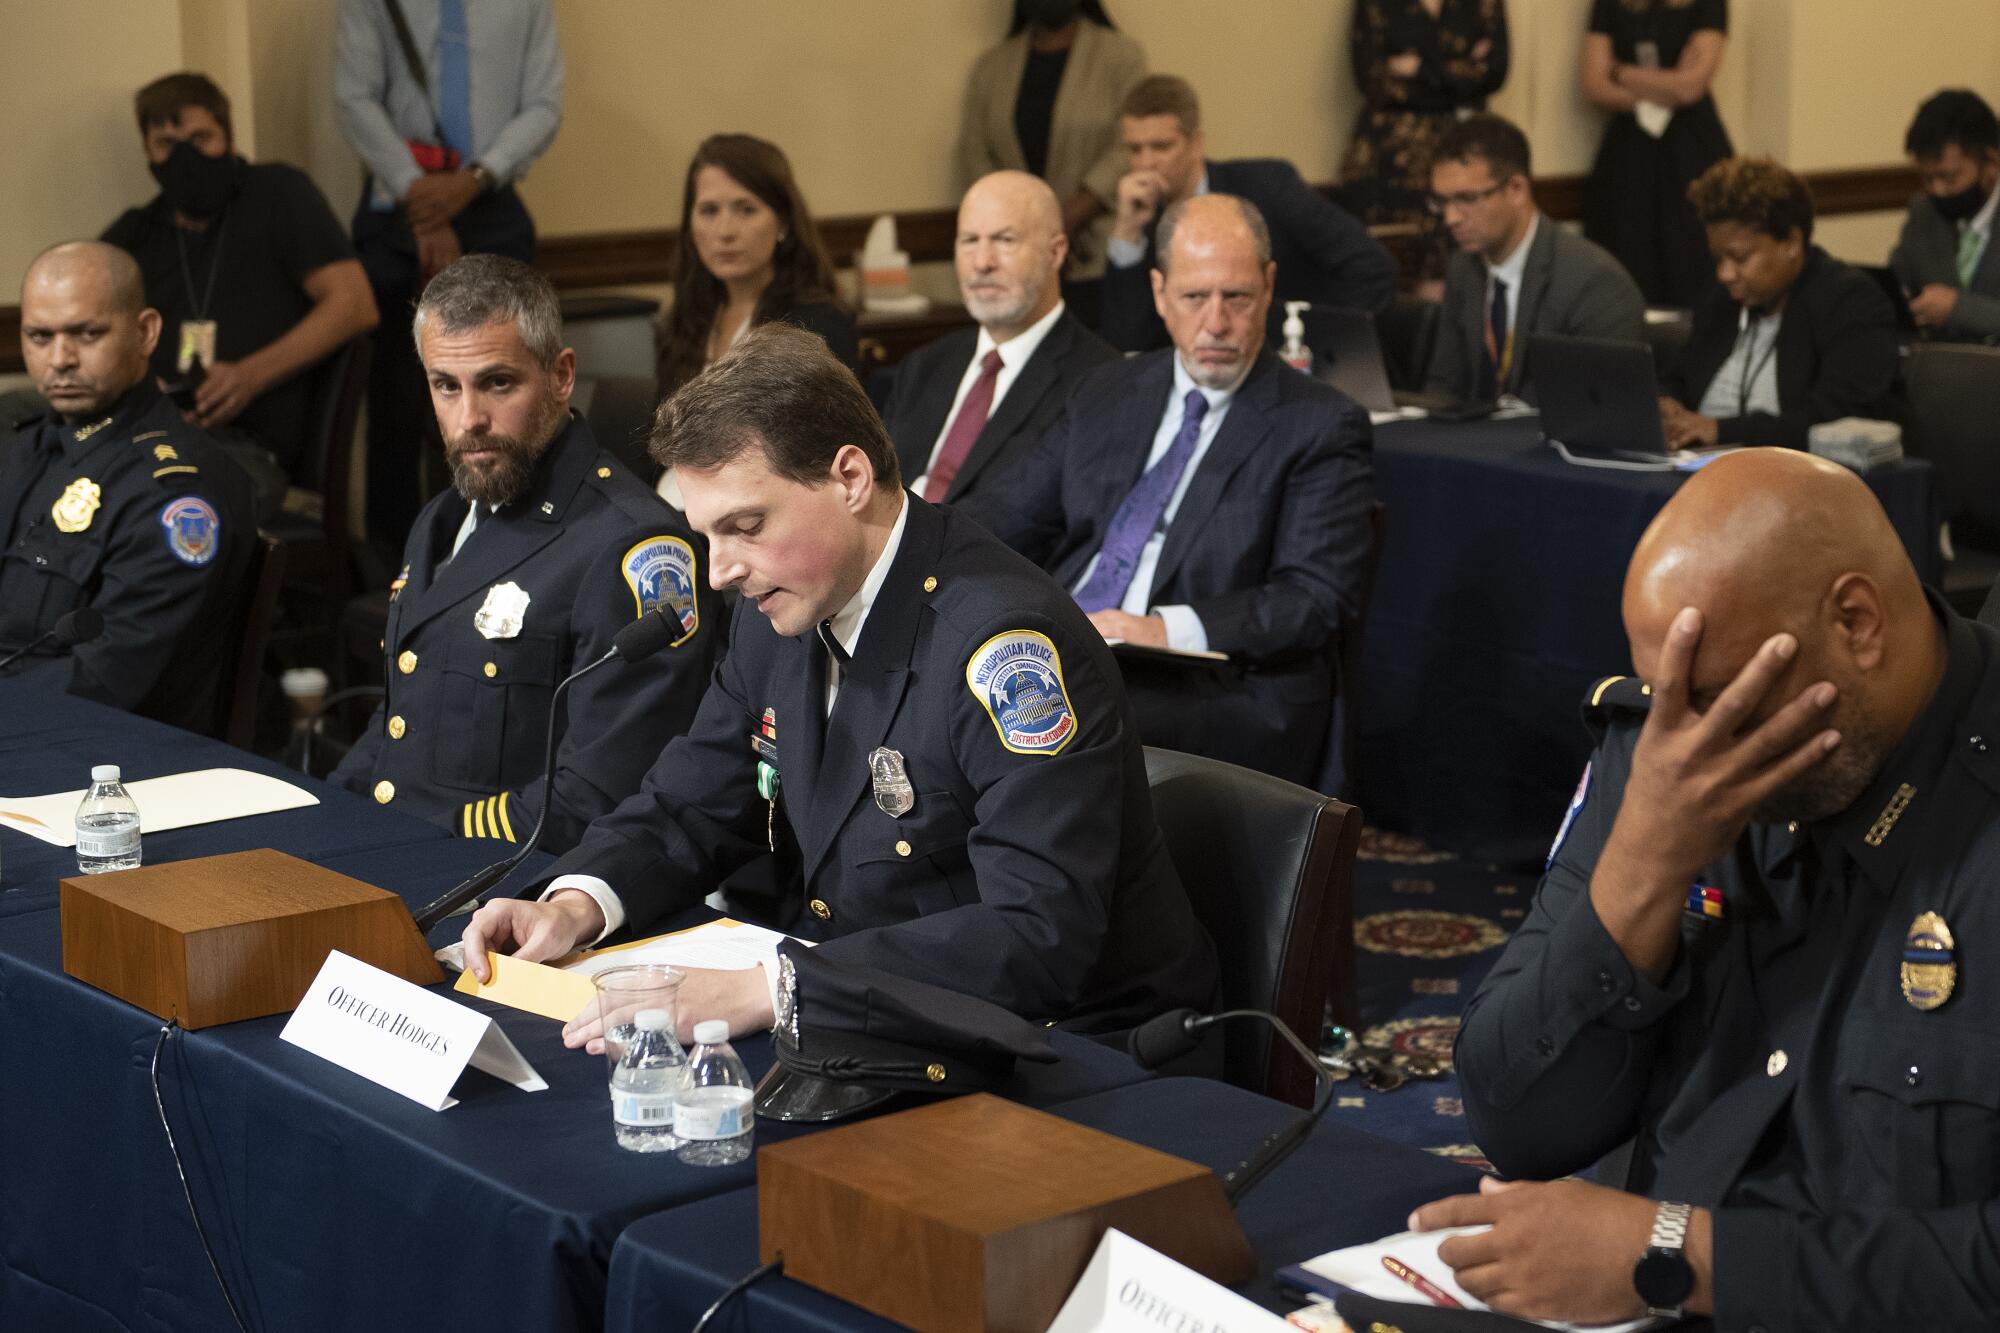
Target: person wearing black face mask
x,y
1944,257
252,273
1045,101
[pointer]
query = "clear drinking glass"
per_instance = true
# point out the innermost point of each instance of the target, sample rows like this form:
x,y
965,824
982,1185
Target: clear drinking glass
x,y
645,1088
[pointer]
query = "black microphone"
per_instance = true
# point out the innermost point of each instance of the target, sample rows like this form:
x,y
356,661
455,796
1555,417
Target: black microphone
x,y
638,640
1178,1031
71,628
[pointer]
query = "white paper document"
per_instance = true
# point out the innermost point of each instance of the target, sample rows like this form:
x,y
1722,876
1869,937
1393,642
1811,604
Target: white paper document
x,y
1359,1269
1133,1287
723,945
179,800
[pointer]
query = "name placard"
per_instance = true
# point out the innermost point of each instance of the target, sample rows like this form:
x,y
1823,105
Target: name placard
x,y
401,1036
1130,1286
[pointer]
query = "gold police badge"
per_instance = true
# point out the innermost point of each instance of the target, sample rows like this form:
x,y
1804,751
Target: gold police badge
x,y
77,505
1930,962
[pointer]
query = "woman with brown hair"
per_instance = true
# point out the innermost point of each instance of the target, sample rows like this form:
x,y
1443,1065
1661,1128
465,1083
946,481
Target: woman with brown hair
x,y
749,254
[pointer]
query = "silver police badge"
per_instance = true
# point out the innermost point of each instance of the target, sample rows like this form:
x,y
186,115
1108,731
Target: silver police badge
x,y
1930,962
894,795
500,616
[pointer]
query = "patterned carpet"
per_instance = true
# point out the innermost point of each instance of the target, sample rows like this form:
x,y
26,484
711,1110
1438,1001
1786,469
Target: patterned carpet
x,y
1427,928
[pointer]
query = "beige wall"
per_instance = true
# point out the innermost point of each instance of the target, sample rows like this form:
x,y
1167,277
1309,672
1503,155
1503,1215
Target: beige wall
x,y
864,93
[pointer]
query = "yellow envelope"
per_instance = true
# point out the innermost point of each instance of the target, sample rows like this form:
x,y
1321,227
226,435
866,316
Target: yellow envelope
x,y
533,987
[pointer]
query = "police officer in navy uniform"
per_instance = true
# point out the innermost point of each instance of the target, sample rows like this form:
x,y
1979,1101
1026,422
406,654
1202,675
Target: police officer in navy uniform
x,y
1762,951
931,718
522,573
112,501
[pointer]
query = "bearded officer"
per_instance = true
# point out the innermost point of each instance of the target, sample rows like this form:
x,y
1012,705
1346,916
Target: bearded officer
x,y
544,548
1760,948
926,714
112,501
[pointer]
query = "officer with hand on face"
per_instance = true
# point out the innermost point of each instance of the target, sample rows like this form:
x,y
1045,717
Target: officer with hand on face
x,y
545,547
1759,952
110,500
925,716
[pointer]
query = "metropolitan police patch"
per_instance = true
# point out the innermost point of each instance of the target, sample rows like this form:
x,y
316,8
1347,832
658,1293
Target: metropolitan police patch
x,y
661,573
193,530
1017,678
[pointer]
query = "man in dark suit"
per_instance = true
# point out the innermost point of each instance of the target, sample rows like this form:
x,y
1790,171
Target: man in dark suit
x,y
545,547
963,404
1324,254
1516,272
1210,498
1945,256
917,719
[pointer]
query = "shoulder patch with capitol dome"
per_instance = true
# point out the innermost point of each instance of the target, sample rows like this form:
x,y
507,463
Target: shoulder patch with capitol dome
x,y
193,529
661,572
1017,678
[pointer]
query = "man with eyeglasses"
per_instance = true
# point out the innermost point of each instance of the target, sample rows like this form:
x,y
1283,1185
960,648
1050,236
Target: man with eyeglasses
x,y
1516,272
1206,498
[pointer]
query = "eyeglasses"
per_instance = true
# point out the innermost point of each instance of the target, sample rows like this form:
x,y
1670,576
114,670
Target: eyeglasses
x,y
1438,203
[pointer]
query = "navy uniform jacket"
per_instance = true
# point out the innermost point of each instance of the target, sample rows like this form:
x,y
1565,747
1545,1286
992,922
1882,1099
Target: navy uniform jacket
x,y
1323,253
920,403
1269,547
1028,871
460,735
1849,1140
141,516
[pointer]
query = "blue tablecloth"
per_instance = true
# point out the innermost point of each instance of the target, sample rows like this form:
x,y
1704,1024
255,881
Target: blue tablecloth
x,y
332,1203
1342,1187
1496,606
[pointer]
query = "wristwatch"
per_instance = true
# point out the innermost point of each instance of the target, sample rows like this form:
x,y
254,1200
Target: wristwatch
x,y
488,182
1663,1276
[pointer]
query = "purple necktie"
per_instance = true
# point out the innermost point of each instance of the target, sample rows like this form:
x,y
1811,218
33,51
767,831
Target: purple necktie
x,y
1139,515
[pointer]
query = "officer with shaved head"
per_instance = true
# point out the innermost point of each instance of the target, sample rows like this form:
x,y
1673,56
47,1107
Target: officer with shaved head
x,y
110,500
1762,950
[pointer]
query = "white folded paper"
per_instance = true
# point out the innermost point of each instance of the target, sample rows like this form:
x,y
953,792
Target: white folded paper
x,y
180,800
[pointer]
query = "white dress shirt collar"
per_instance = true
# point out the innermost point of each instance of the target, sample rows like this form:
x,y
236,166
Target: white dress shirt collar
x,y
1510,269
848,620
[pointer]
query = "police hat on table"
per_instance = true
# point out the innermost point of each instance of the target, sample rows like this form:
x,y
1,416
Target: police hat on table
x,y
850,1038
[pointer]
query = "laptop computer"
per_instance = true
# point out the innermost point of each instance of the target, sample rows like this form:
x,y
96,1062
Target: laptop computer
x,y
1599,398
1348,355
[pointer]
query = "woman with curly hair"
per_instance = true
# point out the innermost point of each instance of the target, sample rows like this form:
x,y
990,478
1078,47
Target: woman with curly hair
x,y
1786,336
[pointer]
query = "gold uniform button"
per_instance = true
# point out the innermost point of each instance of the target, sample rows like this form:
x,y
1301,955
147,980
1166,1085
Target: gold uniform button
x,y
902,848
1791,826
396,728
407,662
935,1073
1776,1064
930,584
820,910
490,670
385,792
603,472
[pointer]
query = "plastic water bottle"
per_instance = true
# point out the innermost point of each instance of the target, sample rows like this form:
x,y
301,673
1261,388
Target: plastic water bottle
x,y
646,1083
107,824
714,1118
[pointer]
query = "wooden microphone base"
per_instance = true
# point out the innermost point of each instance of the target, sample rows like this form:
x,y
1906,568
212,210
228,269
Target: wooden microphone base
x,y
977,1213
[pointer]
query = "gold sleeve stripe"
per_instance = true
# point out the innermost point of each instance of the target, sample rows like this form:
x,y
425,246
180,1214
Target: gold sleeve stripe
x,y
479,819
506,824
178,467
465,819
1602,686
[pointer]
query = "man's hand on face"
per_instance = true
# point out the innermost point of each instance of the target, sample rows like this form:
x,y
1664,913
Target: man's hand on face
x,y
1139,196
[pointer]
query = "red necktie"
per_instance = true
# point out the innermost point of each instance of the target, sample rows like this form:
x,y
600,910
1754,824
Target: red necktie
x,y
965,428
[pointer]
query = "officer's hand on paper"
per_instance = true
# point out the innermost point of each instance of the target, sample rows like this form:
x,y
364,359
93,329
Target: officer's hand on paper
x,y
530,930
1562,1249
1714,746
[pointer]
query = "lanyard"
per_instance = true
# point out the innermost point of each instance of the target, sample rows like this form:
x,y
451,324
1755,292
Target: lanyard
x,y
1751,369
214,265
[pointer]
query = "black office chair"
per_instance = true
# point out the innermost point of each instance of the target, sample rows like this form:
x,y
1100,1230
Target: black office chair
x,y
1337,768
1269,867
1408,329
266,578
619,411
313,528
1952,389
